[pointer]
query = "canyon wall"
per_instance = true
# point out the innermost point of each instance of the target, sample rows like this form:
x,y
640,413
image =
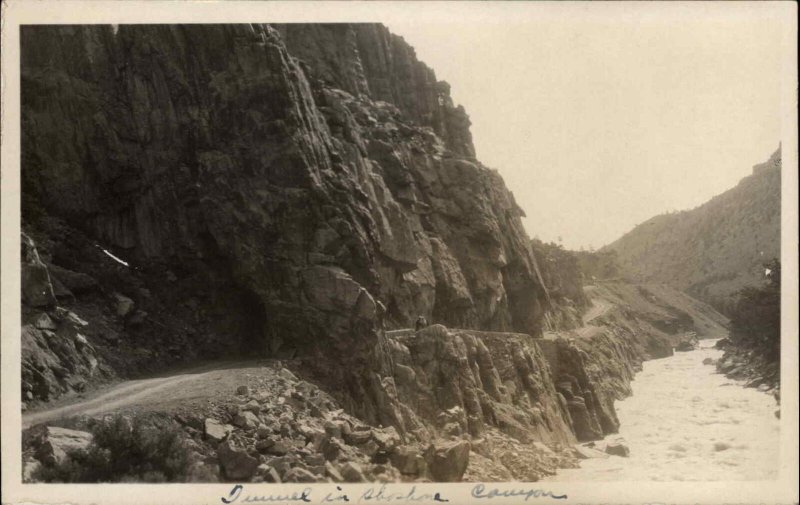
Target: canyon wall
x,y
331,195
715,249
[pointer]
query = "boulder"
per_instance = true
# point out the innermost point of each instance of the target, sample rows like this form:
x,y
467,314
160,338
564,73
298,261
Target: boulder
x,y
287,374
279,447
333,472
358,436
282,464
243,390
215,431
263,431
71,317
43,322
247,420
332,448
352,472
269,473
264,445
314,459
585,452
386,438
333,429
252,406
236,464
313,435
298,474
449,461
56,444
408,460
124,305
618,448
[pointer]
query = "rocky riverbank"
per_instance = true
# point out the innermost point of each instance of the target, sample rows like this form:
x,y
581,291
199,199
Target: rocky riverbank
x,y
750,367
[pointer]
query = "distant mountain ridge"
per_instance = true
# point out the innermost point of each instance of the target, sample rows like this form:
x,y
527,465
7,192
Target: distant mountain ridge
x,y
713,250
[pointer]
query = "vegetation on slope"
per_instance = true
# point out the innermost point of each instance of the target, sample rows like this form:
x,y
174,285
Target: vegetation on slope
x,y
714,250
125,449
756,321
560,271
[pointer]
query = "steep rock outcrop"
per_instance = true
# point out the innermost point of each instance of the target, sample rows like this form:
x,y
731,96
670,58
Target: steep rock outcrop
x,y
325,198
56,355
368,60
478,380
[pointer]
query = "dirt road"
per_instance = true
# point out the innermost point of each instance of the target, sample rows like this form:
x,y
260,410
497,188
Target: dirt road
x,y
599,305
195,387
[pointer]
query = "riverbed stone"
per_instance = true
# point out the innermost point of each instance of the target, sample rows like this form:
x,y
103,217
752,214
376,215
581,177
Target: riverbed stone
x,y
584,452
618,449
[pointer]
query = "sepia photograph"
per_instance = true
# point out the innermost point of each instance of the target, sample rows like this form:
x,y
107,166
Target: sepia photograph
x,y
365,256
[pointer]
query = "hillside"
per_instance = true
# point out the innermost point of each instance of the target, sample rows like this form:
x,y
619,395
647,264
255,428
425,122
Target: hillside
x,y
714,250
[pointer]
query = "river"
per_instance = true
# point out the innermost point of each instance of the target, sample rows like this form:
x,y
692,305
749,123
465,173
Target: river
x,y
685,422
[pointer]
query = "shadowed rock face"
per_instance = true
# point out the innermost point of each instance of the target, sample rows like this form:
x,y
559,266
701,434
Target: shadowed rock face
x,y
337,194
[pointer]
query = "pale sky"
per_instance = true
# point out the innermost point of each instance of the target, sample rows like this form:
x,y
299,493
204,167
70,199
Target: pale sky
x,y
598,124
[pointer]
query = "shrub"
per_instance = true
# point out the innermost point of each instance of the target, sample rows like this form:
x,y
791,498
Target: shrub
x,y
756,319
136,449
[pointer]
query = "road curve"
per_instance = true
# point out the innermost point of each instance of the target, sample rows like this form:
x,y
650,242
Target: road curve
x,y
161,393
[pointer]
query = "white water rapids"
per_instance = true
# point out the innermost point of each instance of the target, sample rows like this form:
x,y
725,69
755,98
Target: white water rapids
x,y
685,422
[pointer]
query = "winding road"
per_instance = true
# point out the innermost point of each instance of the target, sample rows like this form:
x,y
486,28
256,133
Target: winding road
x,y
196,387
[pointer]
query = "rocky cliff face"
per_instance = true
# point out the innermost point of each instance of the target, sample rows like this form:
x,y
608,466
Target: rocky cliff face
x,y
716,249
324,197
